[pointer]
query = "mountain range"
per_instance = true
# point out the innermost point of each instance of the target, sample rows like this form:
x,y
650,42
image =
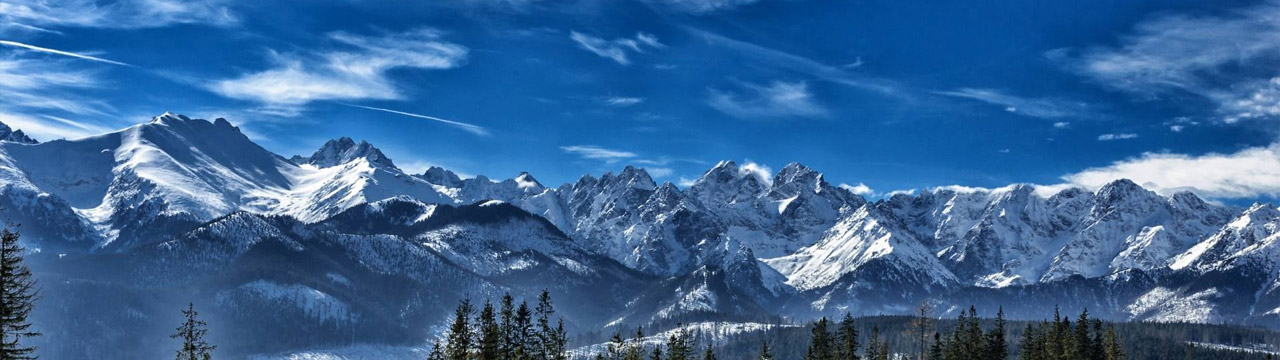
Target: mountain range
x,y
345,247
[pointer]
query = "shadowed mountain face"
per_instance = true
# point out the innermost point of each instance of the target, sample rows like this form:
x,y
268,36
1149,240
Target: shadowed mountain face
x,y
345,247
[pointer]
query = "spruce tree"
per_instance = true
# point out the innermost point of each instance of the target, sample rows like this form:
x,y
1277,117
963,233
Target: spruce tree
x,y
656,354
614,349
765,354
192,333
458,346
847,339
873,344
436,352
19,293
935,350
507,324
709,354
1112,345
997,347
522,339
821,346
490,336
635,350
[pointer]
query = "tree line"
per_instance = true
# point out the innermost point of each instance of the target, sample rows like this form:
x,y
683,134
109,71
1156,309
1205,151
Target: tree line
x,y
509,332
1061,339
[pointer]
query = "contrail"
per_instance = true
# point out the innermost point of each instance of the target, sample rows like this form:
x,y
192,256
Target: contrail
x,y
63,53
474,129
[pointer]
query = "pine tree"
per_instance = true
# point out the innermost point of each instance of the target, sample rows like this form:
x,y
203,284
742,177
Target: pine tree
x,y
614,349
490,337
935,350
847,339
635,350
1081,343
1112,345
507,324
522,338
821,346
873,344
997,348
765,354
709,354
458,346
1029,346
192,333
436,353
18,290
656,354
680,345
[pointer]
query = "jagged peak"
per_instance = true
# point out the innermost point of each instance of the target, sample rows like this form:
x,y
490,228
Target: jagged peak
x,y
1120,189
1261,210
796,172
441,176
527,182
17,136
342,150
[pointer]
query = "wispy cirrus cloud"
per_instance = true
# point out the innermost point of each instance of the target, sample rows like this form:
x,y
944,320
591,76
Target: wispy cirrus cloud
x,y
471,128
41,15
60,52
593,152
1228,58
1113,137
622,101
619,49
355,69
778,58
1044,108
698,6
778,99
55,85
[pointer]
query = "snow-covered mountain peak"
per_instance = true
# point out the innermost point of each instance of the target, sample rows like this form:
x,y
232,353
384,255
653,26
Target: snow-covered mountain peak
x,y
727,184
633,177
10,135
528,183
342,150
796,172
439,176
1123,190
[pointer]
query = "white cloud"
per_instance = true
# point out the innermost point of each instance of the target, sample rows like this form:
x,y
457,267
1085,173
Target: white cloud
x,y
1061,125
1113,137
474,129
1228,58
659,172
50,128
622,101
860,189
357,70
779,99
1247,173
761,171
1177,128
1045,108
598,153
60,52
118,14
34,85
685,182
616,49
781,59
698,6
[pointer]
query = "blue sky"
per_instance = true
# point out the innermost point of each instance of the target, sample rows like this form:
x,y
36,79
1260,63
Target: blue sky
x,y
890,95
